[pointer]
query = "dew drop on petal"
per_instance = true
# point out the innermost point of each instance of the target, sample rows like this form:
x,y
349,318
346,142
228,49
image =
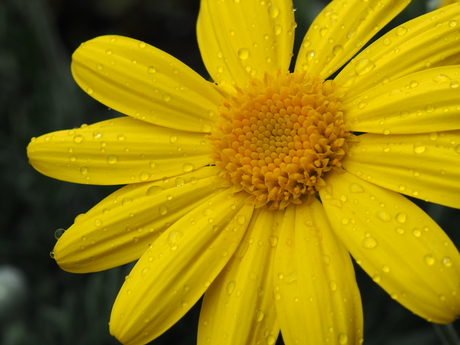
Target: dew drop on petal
x,y
243,53
401,217
364,66
429,259
369,243
419,147
112,159
154,190
58,233
166,97
356,188
273,11
163,210
230,287
343,339
383,216
187,167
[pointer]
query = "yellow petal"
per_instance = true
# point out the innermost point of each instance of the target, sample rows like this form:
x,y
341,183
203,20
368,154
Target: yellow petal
x,y
118,151
178,268
120,228
423,102
316,295
425,42
144,82
424,166
243,39
340,30
397,244
239,308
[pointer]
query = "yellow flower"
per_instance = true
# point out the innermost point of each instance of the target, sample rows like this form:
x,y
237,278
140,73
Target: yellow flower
x,y
254,189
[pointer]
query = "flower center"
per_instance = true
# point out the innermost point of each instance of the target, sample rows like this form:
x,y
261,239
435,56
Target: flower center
x,y
277,138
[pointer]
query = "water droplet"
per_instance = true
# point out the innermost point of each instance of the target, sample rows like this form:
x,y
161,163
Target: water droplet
x,y
52,254
144,176
259,315
454,84
179,181
241,219
401,217
356,188
401,30
273,11
419,147
452,23
333,285
111,159
230,287
83,170
163,210
78,138
429,259
58,233
277,29
273,240
243,53
364,66
97,222
89,90
154,190
166,97
369,243
172,139
383,216
376,278
417,232
446,261
343,339
187,167
270,340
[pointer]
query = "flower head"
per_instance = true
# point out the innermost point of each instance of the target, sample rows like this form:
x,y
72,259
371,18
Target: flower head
x,y
253,190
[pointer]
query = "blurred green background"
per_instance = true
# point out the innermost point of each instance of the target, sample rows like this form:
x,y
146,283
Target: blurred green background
x,y
39,303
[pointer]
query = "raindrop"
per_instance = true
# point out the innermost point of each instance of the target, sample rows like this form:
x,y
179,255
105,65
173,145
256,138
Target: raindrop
x,y
364,66
277,29
259,315
401,30
166,97
144,176
333,285
454,84
230,287
343,339
52,254
273,240
163,210
429,259
83,170
356,188
78,138
273,11
58,233
241,219
151,70
243,53
172,139
154,190
369,243
401,217
187,167
337,49
111,159
419,147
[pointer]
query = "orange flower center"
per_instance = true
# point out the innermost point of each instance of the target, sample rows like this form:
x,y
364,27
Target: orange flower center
x,y
277,138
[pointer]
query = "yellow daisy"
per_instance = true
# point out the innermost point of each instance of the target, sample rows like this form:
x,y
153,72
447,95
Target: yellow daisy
x,y
253,190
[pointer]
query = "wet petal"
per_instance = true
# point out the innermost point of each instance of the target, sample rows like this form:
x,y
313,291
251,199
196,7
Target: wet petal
x,y
316,295
423,166
397,244
423,102
340,30
144,82
178,268
120,228
239,308
243,39
118,151
425,42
